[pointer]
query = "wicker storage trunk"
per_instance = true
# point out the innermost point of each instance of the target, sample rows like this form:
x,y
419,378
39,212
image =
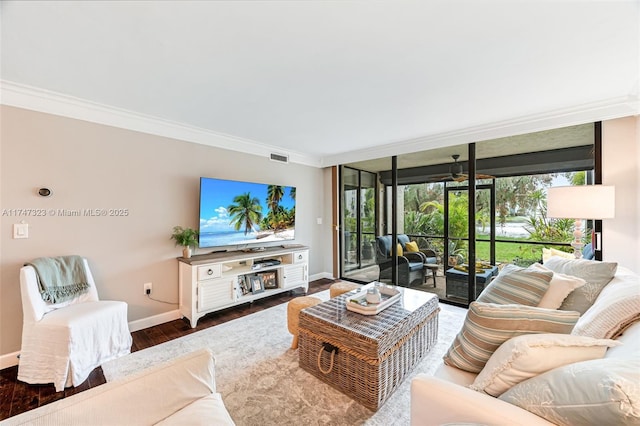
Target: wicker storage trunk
x,y
374,353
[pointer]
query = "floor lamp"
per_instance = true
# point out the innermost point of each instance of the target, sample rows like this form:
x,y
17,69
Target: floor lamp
x,y
584,202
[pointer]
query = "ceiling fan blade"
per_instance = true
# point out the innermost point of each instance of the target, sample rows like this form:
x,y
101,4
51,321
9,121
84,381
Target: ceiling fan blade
x,y
441,178
481,176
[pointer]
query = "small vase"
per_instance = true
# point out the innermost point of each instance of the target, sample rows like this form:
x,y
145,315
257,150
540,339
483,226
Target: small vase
x,y
186,252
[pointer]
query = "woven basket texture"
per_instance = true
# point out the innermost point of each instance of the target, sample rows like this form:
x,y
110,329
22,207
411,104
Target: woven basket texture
x,y
375,353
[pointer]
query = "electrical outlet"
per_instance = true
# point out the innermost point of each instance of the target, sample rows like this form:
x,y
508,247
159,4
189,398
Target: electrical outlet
x,y
148,287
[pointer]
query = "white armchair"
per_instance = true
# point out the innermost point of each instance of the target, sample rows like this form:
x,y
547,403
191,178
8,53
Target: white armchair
x,y
63,342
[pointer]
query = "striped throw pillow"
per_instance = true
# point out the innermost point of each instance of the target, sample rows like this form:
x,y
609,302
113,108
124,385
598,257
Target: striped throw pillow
x,y
516,285
488,325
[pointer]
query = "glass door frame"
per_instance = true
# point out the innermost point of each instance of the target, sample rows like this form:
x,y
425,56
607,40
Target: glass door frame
x,y
491,187
359,232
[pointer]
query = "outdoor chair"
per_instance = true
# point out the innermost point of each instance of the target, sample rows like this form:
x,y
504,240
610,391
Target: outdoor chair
x,y
410,264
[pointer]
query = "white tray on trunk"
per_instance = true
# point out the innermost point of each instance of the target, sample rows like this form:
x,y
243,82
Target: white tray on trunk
x,y
358,302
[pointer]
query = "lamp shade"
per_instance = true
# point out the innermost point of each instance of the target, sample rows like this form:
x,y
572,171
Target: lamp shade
x,y
581,202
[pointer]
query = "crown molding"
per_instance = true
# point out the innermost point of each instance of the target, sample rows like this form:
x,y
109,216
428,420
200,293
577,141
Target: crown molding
x,y
586,113
36,99
41,100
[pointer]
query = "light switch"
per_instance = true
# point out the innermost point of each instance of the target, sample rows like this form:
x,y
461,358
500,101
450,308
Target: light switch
x,y
319,220
20,230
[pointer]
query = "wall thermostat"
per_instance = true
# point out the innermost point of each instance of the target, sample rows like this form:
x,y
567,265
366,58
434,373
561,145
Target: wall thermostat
x,y
44,192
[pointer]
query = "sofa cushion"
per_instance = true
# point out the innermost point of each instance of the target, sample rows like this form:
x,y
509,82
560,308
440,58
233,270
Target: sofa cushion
x,y
588,253
560,287
206,411
384,244
143,398
403,239
597,392
617,306
516,285
529,355
488,325
416,266
596,274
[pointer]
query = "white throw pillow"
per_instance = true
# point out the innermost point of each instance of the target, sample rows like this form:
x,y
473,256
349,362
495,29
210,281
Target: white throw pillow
x,y
529,355
560,287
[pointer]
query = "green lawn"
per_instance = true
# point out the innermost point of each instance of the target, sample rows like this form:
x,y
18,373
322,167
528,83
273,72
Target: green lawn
x,y
518,252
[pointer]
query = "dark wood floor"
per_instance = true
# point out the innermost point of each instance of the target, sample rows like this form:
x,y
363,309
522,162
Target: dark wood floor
x,y
17,397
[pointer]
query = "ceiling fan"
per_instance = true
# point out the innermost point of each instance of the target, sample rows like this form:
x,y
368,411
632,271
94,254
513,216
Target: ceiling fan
x,y
456,172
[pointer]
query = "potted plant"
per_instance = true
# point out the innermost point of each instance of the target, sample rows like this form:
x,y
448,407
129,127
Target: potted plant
x,y
455,253
185,237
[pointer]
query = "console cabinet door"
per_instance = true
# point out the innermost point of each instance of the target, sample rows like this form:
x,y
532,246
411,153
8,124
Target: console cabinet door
x,y
215,293
294,275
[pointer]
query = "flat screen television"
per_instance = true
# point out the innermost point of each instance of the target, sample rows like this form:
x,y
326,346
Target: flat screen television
x,y
248,214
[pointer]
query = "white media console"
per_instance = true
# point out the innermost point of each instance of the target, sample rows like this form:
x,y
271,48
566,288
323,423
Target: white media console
x,y
215,281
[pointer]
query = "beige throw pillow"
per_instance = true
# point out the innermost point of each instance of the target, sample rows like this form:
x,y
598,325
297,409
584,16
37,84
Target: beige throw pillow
x,y
597,275
488,325
526,356
516,285
548,252
560,287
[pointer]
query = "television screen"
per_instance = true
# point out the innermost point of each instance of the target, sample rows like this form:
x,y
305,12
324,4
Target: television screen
x,y
234,213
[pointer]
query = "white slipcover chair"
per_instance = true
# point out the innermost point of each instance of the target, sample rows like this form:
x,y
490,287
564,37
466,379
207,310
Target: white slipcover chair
x,y
63,342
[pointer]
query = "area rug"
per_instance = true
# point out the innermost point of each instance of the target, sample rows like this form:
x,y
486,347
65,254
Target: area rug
x,y
261,384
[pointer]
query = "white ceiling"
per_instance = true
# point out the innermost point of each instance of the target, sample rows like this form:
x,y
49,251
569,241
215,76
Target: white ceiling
x,y
326,82
546,140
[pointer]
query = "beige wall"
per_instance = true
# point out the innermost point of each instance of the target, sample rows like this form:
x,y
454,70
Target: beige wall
x,y
157,179
93,166
621,168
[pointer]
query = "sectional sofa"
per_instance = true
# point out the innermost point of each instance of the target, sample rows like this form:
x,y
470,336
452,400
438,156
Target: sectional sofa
x,y
180,392
589,376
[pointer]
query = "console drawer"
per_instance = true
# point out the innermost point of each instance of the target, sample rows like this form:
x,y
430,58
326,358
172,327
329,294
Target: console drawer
x,y
208,272
301,257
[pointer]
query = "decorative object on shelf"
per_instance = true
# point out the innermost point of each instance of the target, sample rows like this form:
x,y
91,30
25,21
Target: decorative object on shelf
x,y
257,286
185,237
242,285
385,294
581,202
269,279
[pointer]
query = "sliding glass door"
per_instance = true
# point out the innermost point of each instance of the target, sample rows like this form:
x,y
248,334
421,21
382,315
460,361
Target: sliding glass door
x,y
457,240
358,221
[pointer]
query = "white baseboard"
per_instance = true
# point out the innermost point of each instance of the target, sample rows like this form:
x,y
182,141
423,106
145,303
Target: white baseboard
x,y
320,276
154,320
9,360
